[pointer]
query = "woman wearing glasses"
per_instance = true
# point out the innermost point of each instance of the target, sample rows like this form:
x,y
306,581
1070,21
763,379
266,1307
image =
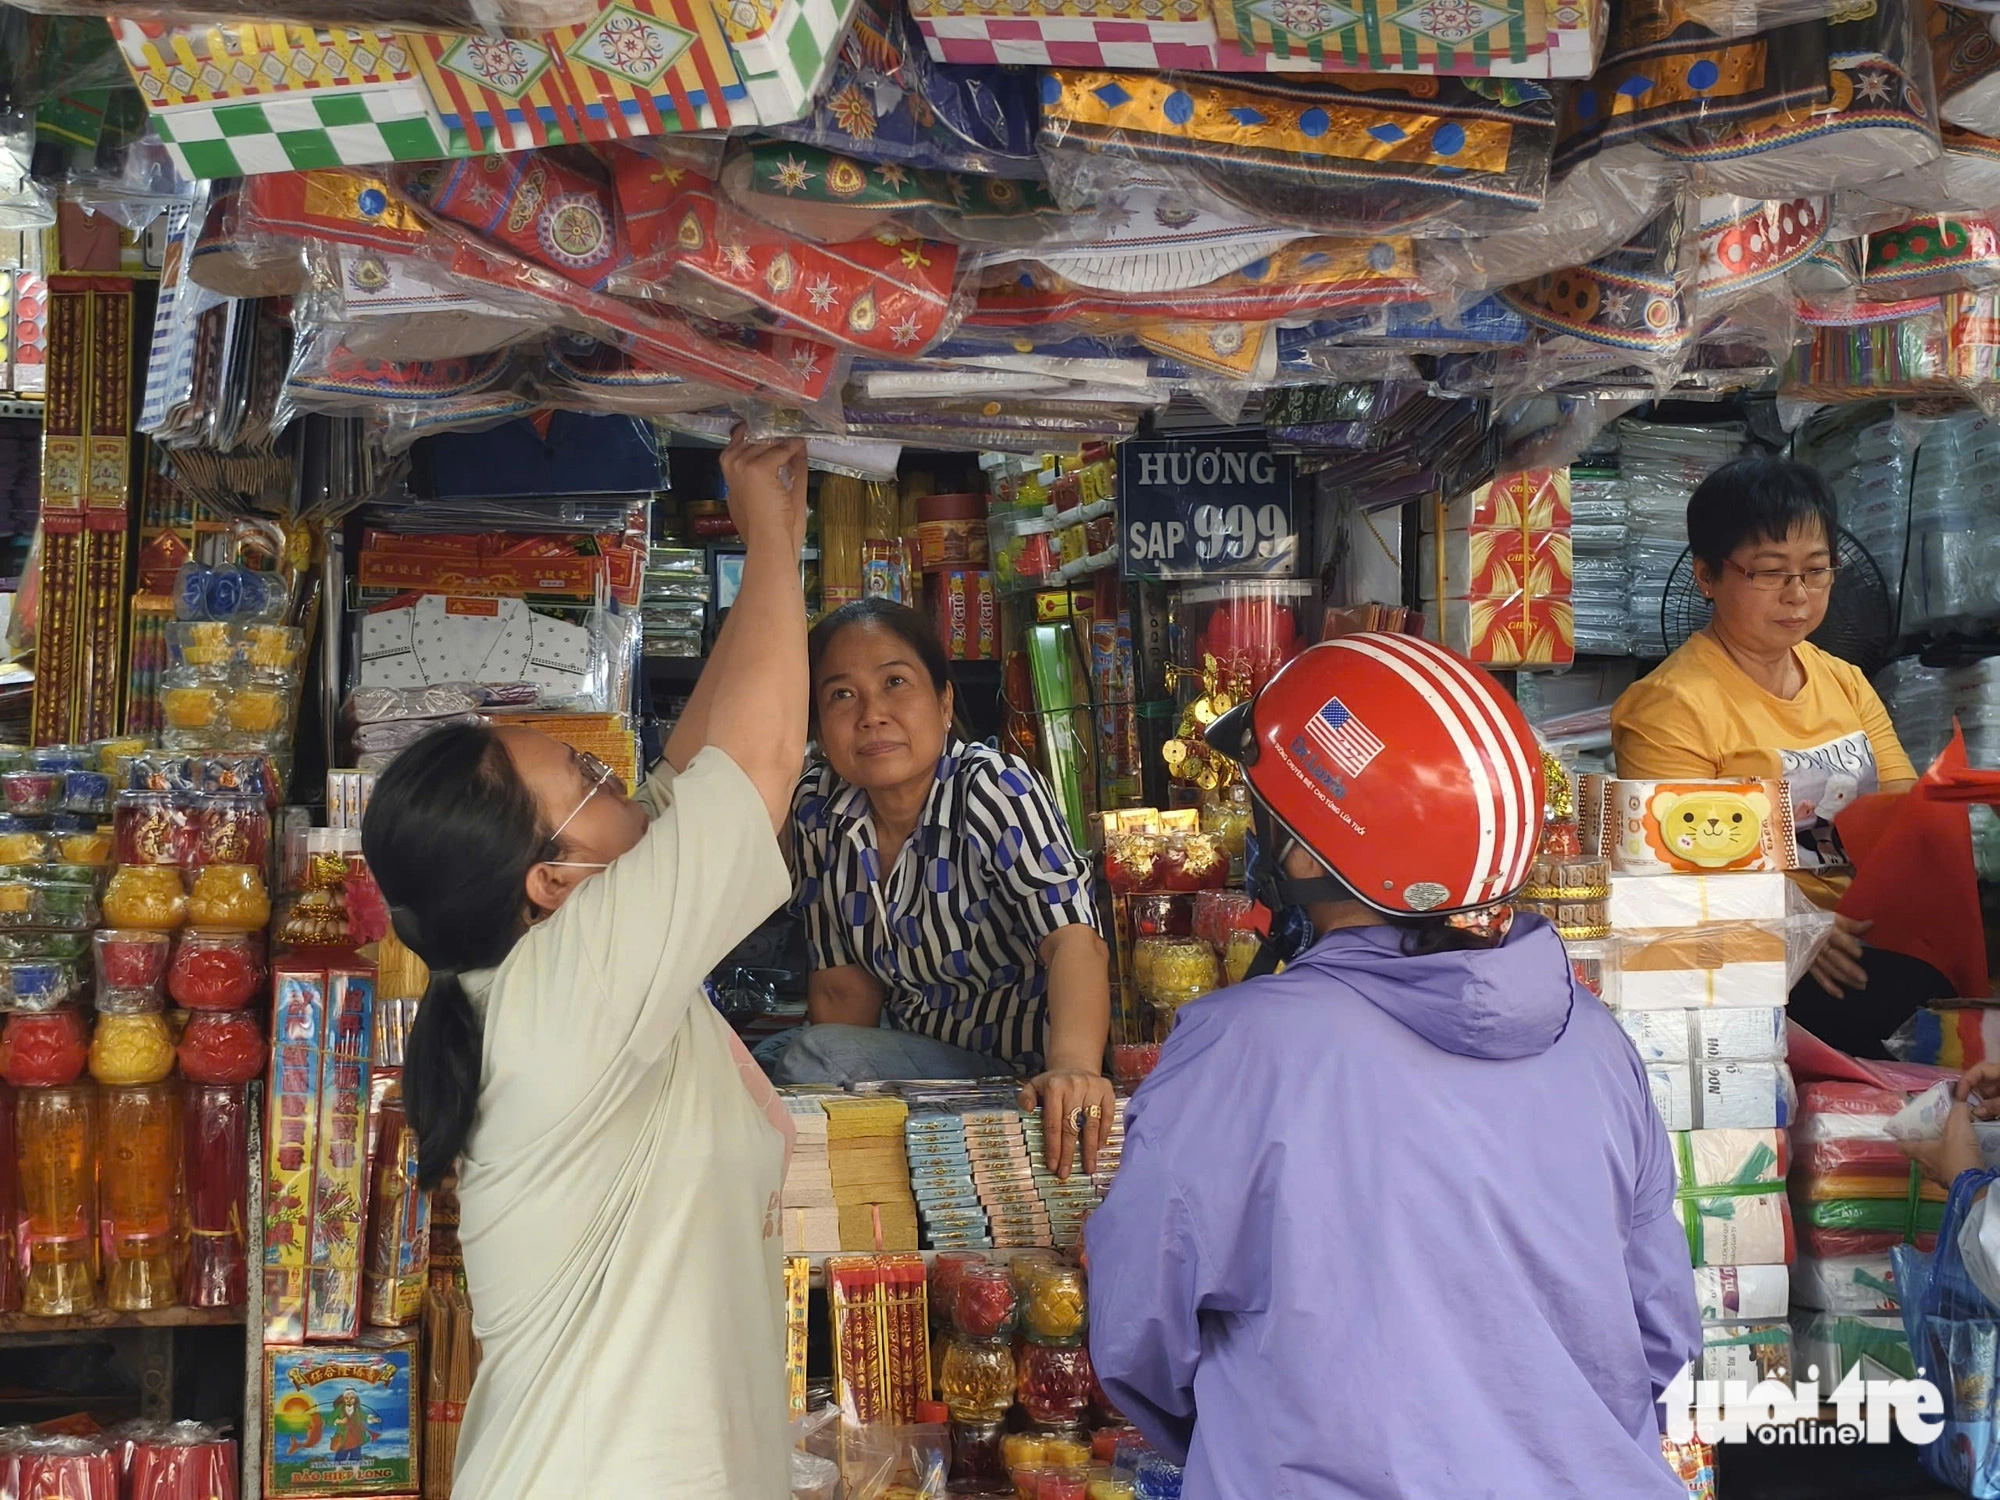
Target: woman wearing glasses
x,y
1751,696
619,1156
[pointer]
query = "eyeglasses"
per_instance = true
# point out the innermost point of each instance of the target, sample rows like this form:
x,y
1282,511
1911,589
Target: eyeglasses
x,y
1771,580
600,776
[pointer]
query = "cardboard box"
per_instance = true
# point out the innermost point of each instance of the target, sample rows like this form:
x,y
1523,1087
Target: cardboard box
x,y
291,1146
1495,561
240,98
340,1175
1518,631
1538,499
786,50
342,1421
639,68
1506,39
1063,33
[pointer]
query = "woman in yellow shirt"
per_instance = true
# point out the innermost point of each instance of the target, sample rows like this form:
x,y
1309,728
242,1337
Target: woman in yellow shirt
x,y
1750,696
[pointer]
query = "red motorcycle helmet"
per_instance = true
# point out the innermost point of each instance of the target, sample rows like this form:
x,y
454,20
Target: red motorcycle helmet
x,y
1406,770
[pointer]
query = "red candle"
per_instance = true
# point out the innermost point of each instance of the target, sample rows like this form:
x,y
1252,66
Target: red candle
x,y
985,1305
216,970
222,1046
215,1162
44,1050
130,960
1055,1381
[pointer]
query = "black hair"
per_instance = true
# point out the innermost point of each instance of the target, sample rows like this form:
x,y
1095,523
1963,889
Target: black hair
x,y
899,619
1756,499
450,835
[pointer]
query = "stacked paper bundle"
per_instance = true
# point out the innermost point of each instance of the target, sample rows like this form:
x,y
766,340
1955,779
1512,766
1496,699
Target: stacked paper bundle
x,y
941,1178
1006,1179
1699,972
871,1173
1856,1196
1661,465
810,1212
1114,1146
1730,1193
1068,1199
1601,581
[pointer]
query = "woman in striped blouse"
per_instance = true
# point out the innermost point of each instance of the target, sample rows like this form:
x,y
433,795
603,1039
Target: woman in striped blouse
x,y
951,918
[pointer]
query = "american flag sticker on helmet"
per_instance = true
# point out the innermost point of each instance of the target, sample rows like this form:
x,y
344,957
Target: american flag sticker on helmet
x,y
1346,741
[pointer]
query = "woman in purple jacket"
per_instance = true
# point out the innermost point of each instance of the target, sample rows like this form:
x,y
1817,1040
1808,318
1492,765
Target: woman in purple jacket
x,y
1398,1221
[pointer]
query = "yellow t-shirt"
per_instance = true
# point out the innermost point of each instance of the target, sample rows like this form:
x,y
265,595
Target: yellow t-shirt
x,y
1699,715
620,1186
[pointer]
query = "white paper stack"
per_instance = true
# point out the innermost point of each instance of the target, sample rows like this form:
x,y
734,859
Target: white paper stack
x,y
811,1218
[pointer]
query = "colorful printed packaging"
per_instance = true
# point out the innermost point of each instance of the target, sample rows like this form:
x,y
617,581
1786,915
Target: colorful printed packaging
x,y
341,1421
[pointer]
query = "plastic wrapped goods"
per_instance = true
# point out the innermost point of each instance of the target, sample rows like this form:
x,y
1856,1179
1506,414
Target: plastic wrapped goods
x,y
1732,1294
1315,154
1845,1284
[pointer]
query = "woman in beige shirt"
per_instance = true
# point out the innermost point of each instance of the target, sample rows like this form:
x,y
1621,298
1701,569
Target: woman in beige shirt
x,y
619,1159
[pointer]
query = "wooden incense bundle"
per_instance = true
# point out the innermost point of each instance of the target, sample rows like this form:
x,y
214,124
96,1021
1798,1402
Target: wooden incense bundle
x,y
451,1361
843,526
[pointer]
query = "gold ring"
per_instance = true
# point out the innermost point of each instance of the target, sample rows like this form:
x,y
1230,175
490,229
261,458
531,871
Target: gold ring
x,y
1075,1118
1096,1111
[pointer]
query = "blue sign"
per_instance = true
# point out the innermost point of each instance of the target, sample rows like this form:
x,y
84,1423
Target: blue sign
x,y
1200,509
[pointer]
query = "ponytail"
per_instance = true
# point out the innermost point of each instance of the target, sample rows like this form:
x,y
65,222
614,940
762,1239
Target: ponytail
x,y
450,835
441,1076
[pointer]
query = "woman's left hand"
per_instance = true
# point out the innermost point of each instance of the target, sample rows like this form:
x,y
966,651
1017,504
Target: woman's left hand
x,y
1956,1151
1073,1104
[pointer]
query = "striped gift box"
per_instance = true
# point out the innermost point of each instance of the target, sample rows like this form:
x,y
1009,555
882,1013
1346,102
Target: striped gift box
x,y
787,50
242,98
639,68
1071,42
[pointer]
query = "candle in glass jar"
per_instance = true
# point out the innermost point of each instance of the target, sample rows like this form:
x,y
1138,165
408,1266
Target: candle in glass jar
x,y
1053,1310
45,1049
977,1381
135,1048
139,1141
55,1146
215,1142
1054,1381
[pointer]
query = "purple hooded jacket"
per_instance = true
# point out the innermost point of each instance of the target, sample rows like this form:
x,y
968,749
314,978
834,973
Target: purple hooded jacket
x,y
1397,1227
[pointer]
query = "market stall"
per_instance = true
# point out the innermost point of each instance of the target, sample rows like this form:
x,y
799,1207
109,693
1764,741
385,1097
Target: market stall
x,y
363,372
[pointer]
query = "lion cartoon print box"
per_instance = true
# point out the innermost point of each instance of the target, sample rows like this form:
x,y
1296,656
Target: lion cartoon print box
x,y
1697,827
341,1419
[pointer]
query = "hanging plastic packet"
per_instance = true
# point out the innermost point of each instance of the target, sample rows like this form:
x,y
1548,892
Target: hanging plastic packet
x,y
1748,249
584,374
1624,319
889,101
1664,73
1875,116
406,307
782,367
1965,63
1593,206
1305,276
1858,350
893,297
828,197
1307,152
1964,182
24,203
408,399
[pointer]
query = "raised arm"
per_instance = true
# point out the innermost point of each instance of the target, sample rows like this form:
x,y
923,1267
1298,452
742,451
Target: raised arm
x,y
751,700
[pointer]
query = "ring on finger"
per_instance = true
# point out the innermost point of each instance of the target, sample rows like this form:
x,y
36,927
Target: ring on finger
x,y
1096,1111
1075,1118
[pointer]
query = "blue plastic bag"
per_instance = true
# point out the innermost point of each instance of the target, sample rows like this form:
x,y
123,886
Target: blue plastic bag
x,y
1955,1337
